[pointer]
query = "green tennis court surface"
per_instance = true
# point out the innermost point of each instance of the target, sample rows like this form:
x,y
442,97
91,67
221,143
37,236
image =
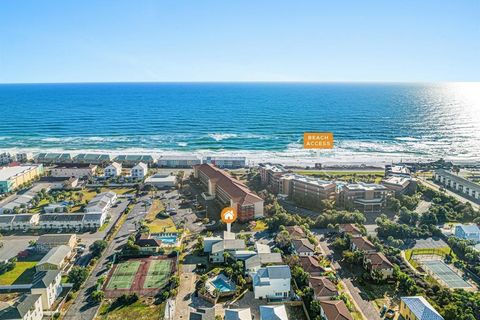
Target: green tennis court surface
x,y
123,275
446,274
158,274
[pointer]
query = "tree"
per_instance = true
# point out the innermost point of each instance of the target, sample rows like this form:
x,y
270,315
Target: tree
x,y
77,276
97,296
98,247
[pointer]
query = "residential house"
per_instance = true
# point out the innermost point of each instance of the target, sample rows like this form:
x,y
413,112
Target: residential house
x,y
61,221
378,265
55,259
311,265
48,285
202,313
256,261
351,229
296,232
418,308
48,241
303,247
274,312
323,288
272,282
362,244
94,220
469,232
230,192
334,310
102,202
113,170
139,171
25,307
225,245
238,314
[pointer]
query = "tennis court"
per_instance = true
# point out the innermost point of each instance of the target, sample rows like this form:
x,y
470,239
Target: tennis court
x,y
123,275
443,272
158,274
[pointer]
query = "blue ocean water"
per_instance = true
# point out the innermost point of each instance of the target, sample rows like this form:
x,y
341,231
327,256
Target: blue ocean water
x,y
386,120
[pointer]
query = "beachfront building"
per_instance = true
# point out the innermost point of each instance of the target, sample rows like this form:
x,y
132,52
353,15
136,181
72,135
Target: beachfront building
x,y
52,158
13,177
230,192
364,197
418,308
400,184
77,171
272,282
24,307
132,159
91,158
398,170
6,158
226,162
457,183
469,232
23,157
139,171
185,161
270,175
113,170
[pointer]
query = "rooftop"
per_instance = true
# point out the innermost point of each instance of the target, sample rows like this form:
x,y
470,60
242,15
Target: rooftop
x,y
469,228
8,172
335,310
323,287
43,279
238,314
56,255
276,312
55,238
420,307
19,307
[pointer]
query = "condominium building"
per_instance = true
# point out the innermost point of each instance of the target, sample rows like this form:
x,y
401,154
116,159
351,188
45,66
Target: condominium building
x,y
13,177
6,158
227,162
270,175
53,158
457,183
113,170
178,161
228,191
77,171
311,191
364,197
400,184
92,158
132,159
140,171
24,307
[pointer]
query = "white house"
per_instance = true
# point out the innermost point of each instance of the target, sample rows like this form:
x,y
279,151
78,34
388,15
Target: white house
x,y
61,221
272,282
102,202
113,170
48,285
94,220
25,307
238,314
139,171
468,232
275,312
227,245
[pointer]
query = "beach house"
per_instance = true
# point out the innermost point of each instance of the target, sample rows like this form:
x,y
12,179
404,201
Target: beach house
x,y
272,282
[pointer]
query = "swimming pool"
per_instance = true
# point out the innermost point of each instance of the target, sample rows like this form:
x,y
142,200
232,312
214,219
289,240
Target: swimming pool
x,y
167,239
221,283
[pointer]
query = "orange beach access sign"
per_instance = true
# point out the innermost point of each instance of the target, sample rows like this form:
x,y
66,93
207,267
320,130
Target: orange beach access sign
x,y
229,215
318,140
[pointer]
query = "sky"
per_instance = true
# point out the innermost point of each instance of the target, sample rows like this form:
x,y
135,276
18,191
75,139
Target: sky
x,y
228,40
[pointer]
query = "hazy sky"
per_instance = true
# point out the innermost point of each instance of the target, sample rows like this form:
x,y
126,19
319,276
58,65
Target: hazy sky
x,y
229,40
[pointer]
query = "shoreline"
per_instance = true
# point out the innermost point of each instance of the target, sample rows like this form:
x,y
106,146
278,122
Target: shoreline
x,y
292,157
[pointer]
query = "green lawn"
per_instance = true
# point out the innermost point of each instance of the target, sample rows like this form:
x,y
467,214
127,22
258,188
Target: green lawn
x,y
156,223
371,176
123,275
22,274
158,274
140,310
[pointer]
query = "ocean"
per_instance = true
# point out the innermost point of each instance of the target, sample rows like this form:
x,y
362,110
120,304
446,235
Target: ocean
x,y
371,122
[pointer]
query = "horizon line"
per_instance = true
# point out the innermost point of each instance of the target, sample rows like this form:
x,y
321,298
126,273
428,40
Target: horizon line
x,y
240,82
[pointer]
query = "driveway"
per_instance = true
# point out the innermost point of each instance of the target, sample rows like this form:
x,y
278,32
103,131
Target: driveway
x,y
82,308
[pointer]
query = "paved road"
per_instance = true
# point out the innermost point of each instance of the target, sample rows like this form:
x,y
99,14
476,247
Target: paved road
x,y
82,308
365,307
457,196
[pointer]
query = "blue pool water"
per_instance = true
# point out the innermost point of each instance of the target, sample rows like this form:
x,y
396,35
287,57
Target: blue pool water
x,y
222,285
167,239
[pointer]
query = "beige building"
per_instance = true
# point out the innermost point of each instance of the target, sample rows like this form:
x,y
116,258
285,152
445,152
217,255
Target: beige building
x,y
364,197
55,259
48,285
13,177
77,171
